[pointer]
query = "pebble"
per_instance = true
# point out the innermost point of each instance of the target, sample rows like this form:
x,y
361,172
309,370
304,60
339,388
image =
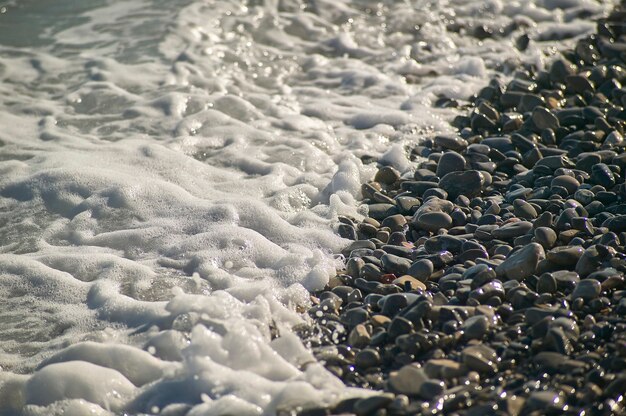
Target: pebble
x,y
434,221
587,289
408,380
545,236
421,269
475,327
450,162
521,264
468,183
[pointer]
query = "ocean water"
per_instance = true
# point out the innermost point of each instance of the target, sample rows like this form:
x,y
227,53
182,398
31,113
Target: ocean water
x,y
171,173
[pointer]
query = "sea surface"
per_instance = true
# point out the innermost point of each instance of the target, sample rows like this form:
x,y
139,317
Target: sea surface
x,y
171,173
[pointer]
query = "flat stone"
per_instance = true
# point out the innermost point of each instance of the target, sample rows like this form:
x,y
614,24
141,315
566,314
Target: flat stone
x,y
395,264
544,401
455,143
522,263
434,221
512,230
382,211
480,358
565,256
411,281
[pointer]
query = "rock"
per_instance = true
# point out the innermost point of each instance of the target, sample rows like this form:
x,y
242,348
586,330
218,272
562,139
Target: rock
x,y
382,211
523,209
480,358
450,162
522,263
602,175
468,183
544,119
434,221
544,401
367,358
399,326
451,142
444,369
411,281
408,380
545,236
421,269
359,337
475,327
565,256
587,289
568,182
431,388
546,284
395,264
387,175
512,230
369,405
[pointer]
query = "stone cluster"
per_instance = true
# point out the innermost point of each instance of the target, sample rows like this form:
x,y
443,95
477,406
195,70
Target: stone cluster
x,y
490,280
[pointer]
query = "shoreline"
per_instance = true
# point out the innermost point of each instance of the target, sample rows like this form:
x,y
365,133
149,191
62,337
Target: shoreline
x,y
493,280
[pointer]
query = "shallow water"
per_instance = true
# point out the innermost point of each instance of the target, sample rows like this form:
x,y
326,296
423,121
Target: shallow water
x,y
171,173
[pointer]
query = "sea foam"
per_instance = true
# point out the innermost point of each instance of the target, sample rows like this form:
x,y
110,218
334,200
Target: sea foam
x,y
172,173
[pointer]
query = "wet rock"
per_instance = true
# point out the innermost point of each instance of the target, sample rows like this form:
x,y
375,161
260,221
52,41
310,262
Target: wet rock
x,y
544,119
587,289
450,162
522,263
434,221
468,183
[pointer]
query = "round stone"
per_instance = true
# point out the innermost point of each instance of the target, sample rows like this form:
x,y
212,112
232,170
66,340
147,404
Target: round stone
x,y
450,162
421,269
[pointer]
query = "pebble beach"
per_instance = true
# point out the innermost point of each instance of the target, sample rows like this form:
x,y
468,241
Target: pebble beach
x,y
312,207
490,281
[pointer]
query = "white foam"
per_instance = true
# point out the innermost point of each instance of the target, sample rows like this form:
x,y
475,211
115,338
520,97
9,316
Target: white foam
x,y
171,175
